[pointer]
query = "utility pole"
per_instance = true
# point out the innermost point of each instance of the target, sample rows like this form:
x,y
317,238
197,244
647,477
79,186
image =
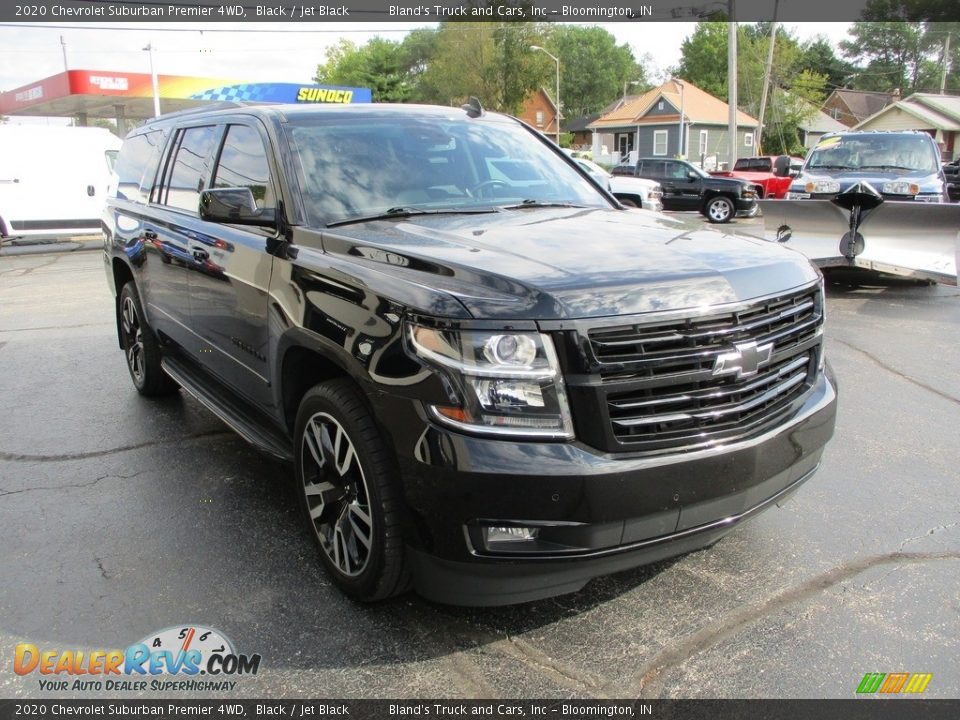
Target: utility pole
x,y
946,63
766,77
732,83
681,145
63,46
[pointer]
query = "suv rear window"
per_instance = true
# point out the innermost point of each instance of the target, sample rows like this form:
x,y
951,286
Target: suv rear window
x,y
189,169
136,165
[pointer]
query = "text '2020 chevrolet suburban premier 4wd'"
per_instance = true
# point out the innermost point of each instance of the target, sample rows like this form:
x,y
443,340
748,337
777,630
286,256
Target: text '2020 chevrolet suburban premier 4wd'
x,y
493,382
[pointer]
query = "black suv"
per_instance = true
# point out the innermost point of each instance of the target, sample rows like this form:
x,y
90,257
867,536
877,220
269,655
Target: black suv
x,y
493,383
687,187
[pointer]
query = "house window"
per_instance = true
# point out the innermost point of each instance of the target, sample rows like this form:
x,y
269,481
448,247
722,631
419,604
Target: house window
x,y
703,143
659,142
539,118
660,105
748,139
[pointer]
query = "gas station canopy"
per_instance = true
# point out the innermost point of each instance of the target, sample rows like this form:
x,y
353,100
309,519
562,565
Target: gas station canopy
x,y
129,96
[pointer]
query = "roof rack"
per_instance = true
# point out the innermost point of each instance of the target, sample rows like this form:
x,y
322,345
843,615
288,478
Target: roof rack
x,y
210,107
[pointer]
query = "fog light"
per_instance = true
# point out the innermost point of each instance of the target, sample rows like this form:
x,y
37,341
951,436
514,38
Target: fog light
x,y
509,534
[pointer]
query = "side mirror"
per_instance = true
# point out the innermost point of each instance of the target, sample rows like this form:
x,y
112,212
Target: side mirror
x,y
781,166
691,175
236,206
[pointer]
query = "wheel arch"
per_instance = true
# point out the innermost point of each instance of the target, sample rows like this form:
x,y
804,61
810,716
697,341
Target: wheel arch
x,y
303,361
122,274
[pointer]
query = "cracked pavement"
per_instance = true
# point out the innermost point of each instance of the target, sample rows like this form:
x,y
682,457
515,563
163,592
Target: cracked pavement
x,y
123,516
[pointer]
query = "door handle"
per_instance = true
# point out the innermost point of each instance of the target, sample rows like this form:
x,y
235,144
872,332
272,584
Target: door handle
x,y
200,254
91,190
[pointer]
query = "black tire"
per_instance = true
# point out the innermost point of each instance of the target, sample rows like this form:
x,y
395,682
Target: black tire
x,y
719,209
141,347
627,202
349,494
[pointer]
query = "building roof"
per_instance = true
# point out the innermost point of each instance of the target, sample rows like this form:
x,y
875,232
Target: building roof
x,y
862,103
948,105
698,107
932,112
579,124
822,123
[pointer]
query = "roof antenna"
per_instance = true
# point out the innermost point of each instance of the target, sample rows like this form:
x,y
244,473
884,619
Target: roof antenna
x,y
473,107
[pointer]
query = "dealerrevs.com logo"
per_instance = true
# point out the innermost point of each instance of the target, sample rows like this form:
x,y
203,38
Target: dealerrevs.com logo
x,y
184,653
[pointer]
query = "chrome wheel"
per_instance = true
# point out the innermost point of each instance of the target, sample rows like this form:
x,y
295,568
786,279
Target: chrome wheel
x,y
337,496
133,340
719,210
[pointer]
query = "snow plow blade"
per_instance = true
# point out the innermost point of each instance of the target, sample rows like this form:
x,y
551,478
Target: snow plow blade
x,y
910,239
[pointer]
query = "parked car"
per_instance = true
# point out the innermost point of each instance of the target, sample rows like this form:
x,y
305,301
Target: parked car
x,y
903,165
493,383
630,191
770,174
54,180
687,187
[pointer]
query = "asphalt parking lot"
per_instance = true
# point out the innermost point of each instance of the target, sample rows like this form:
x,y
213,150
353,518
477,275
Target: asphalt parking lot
x,y
123,516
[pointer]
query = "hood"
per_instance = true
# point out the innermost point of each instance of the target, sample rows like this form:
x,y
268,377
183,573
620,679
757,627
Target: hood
x,y
724,181
566,263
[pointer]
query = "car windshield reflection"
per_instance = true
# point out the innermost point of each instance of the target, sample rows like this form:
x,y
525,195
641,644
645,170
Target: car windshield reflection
x,y
356,168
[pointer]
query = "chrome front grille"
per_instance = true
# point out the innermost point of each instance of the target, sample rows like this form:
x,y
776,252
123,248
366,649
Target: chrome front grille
x,y
683,383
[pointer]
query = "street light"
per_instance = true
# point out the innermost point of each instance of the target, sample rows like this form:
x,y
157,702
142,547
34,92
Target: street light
x,y
557,96
153,78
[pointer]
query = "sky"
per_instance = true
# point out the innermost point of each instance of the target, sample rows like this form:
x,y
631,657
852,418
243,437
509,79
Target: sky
x,y
256,52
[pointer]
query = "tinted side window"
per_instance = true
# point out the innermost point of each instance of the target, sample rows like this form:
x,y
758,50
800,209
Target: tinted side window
x,y
189,168
134,163
653,169
243,163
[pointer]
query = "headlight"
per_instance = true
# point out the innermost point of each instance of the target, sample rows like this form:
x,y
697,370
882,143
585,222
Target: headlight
x,y
899,187
822,187
505,383
656,194
748,193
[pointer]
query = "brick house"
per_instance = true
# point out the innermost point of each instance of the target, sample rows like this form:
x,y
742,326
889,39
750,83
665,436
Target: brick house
x,y
540,111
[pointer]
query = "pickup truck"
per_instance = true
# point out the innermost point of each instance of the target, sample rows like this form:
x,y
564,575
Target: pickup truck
x,y
770,173
687,187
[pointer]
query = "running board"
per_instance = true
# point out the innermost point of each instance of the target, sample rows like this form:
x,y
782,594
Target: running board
x,y
231,410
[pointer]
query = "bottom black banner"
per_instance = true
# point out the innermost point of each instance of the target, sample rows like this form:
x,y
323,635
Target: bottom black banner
x,y
854,709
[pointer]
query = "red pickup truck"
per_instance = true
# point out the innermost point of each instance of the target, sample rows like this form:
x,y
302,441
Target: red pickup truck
x,y
771,174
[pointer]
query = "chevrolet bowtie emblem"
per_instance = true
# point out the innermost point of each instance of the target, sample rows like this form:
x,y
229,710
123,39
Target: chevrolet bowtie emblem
x,y
745,360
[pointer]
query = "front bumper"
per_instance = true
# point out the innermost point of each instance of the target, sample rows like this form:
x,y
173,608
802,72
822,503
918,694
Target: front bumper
x,y
596,513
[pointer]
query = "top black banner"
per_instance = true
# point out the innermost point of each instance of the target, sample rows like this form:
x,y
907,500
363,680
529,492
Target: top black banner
x,y
582,11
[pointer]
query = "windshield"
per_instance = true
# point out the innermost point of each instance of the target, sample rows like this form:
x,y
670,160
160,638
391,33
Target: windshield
x,y
354,167
874,152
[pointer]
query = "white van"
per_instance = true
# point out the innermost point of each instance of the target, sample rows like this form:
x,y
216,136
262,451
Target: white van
x,y
54,180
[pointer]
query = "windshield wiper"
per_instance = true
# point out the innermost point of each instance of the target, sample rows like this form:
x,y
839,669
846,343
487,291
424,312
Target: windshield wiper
x,y
530,203
886,167
831,167
404,211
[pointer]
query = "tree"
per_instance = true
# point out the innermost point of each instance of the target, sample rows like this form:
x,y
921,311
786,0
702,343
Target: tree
x,y
820,57
891,55
703,58
382,65
796,91
489,60
593,68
